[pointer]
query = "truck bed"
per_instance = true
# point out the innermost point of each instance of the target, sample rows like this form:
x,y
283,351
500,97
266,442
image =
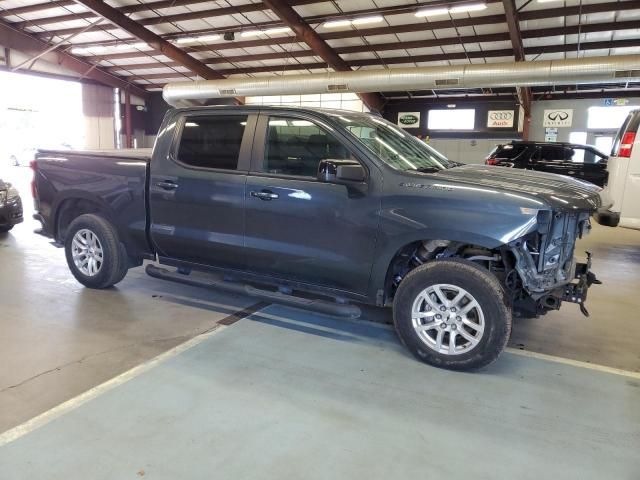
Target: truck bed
x,y
132,153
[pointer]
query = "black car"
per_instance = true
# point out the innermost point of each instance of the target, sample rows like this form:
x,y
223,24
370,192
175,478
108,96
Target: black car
x,y
10,207
580,161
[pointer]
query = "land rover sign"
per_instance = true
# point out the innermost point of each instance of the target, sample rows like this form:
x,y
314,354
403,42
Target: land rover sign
x,y
409,119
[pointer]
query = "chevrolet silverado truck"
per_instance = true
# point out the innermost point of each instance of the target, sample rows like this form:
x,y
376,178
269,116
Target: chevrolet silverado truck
x,y
325,209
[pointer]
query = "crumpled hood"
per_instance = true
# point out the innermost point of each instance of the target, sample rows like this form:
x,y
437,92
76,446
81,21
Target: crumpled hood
x,y
557,191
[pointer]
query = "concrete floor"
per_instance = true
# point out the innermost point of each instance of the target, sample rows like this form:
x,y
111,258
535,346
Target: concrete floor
x,y
285,394
58,340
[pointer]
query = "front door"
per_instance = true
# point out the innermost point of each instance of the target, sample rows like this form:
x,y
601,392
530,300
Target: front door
x,y
197,191
302,229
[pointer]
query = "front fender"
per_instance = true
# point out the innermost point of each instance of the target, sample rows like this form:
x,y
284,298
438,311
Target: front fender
x,y
471,224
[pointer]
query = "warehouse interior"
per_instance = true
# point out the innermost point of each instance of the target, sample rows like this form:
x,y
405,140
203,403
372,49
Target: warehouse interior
x,y
167,379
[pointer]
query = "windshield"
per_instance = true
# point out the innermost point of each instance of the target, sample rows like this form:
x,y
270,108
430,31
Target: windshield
x,y
392,145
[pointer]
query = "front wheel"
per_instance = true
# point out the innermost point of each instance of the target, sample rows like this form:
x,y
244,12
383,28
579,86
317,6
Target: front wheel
x,y
452,314
94,253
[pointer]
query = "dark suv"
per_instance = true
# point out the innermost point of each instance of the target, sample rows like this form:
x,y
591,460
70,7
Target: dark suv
x,y
579,161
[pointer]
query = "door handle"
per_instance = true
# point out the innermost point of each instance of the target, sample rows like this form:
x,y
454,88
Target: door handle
x,y
265,195
167,185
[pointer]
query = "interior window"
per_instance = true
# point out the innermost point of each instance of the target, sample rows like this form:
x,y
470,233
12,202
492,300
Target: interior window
x,y
212,142
295,147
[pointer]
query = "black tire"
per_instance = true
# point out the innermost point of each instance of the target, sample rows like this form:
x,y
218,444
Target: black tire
x,y
115,262
478,282
6,229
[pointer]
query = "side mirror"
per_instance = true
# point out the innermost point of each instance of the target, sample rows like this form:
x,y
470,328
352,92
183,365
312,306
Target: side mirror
x,y
343,172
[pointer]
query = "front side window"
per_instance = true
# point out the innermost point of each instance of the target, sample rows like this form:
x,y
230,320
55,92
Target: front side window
x,y
392,145
295,147
557,153
212,142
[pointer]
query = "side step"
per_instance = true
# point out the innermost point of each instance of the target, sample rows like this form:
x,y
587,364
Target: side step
x,y
321,306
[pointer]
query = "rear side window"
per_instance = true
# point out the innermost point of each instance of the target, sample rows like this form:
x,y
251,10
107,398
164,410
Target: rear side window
x,y
553,152
507,152
212,142
296,146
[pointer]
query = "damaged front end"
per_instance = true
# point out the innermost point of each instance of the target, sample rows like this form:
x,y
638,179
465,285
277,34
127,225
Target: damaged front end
x,y
545,271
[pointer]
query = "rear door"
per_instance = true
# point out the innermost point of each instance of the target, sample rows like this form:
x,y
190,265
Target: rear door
x,y
302,229
196,191
624,170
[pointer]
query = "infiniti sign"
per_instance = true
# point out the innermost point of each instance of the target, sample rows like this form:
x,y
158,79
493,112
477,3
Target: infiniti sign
x,y
558,118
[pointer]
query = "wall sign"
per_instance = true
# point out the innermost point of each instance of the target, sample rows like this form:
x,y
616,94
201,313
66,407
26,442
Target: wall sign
x,y
500,118
409,119
550,134
561,117
610,102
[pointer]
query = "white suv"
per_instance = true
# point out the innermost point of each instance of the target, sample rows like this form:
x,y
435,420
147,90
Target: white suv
x,y
623,186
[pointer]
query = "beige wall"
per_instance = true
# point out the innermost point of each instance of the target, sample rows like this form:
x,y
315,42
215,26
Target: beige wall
x,y
465,150
97,106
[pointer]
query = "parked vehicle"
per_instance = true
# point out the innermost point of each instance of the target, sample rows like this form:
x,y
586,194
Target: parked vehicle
x,y
343,205
10,207
624,176
579,161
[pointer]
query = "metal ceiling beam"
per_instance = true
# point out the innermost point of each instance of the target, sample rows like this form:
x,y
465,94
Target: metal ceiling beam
x,y
27,44
321,48
413,28
513,25
155,41
222,11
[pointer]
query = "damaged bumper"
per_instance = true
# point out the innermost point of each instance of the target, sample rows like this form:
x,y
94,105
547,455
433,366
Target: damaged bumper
x,y
576,292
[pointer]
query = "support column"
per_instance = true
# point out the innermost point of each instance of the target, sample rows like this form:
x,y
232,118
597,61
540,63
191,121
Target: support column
x,y
127,119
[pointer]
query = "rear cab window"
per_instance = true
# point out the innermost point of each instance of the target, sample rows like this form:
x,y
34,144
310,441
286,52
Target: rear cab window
x,y
212,142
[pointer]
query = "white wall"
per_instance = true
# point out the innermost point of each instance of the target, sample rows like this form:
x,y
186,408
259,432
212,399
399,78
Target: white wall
x,y
97,107
580,117
467,150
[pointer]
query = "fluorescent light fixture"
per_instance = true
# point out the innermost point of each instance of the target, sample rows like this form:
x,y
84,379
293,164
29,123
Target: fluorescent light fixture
x,y
208,38
432,12
184,40
97,48
336,23
123,46
367,20
140,45
79,51
547,1
473,7
251,33
278,30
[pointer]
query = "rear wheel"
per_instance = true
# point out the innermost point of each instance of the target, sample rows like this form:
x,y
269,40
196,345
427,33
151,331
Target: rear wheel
x,y
452,314
94,253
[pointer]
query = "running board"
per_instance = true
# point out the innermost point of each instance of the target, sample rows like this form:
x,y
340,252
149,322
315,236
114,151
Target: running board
x,y
316,305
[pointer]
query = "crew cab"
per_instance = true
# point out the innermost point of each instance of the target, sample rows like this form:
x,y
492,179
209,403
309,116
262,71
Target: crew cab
x,y
584,162
325,209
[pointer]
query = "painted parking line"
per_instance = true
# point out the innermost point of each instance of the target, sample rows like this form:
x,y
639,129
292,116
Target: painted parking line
x,y
73,403
574,363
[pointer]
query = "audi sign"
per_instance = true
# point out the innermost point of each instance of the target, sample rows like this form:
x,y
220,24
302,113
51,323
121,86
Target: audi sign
x,y
500,118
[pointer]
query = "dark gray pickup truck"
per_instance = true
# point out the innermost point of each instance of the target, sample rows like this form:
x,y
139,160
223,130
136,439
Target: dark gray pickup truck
x,y
320,208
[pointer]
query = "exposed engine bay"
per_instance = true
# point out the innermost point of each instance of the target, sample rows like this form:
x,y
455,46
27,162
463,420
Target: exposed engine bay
x,y
538,271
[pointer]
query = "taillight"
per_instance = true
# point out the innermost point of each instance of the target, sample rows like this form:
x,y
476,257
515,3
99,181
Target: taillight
x,y
34,167
626,145
491,161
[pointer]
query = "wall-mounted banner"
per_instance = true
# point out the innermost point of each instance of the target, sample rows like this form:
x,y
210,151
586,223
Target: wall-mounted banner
x,y
409,119
500,118
562,117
